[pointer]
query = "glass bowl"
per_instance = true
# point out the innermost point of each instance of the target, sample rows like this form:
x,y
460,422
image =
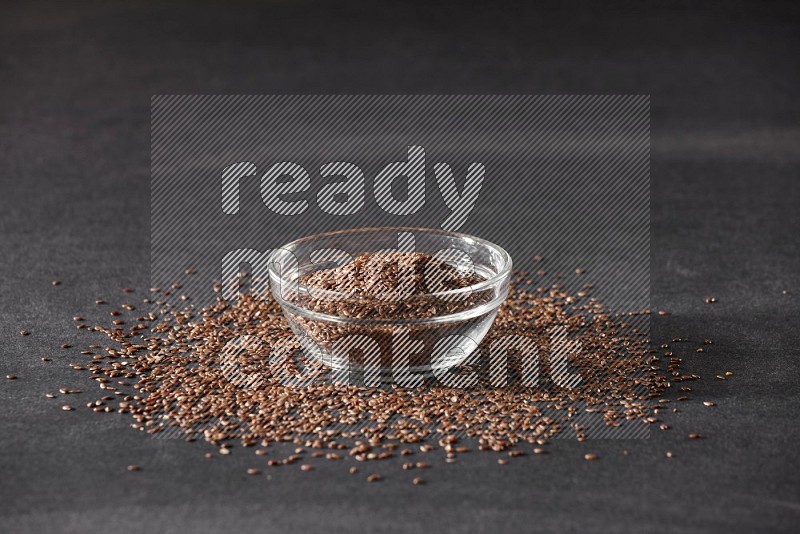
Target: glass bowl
x,y
422,325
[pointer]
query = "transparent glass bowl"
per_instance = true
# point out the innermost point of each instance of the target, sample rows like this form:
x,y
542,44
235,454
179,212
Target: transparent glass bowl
x,y
389,333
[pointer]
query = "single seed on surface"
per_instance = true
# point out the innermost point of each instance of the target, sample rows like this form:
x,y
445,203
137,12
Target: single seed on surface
x,y
670,454
11,377
134,468
353,470
24,332
67,408
224,450
694,435
590,456
306,467
423,465
709,403
417,481
49,395
253,471
502,461
710,300
539,450
373,478
56,282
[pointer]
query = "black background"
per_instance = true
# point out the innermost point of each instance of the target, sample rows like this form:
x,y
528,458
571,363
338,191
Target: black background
x,y
75,93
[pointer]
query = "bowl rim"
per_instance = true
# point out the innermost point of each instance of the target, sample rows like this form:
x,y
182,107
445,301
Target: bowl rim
x,y
502,274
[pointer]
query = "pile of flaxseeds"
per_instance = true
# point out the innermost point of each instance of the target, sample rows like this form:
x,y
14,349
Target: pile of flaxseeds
x,y
165,370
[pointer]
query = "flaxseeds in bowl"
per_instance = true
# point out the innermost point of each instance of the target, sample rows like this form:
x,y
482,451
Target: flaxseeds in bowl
x,y
390,301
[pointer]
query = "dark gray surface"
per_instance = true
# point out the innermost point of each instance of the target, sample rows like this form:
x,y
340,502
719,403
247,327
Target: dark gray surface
x,y
74,147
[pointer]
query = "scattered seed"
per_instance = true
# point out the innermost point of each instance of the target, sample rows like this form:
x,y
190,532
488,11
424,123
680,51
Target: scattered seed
x,y
353,470
502,461
253,471
417,481
694,436
56,282
306,467
590,456
670,454
134,468
24,332
11,377
373,478
709,403
67,408
710,300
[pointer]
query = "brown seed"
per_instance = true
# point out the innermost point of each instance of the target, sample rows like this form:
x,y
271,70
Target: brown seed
x,y
502,461
11,377
417,481
709,403
253,471
134,468
373,478
208,456
45,359
66,346
422,465
539,450
590,456
694,436
67,408
24,332
56,282
516,453
224,450
127,290
710,300
353,470
306,467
